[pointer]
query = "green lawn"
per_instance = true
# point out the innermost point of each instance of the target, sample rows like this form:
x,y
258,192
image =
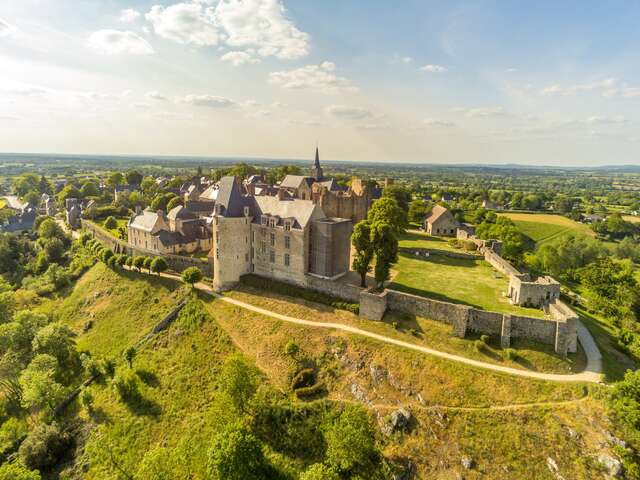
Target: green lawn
x,y
122,222
413,239
543,228
459,280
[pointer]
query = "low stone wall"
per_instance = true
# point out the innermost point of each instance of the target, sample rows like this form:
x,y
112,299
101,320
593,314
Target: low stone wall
x,y
424,252
333,288
177,263
482,321
500,264
373,306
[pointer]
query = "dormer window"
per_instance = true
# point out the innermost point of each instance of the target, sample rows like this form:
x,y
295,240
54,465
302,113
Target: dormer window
x,y
287,225
246,211
272,222
263,220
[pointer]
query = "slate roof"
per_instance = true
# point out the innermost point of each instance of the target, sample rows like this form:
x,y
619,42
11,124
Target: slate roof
x,y
144,221
181,213
437,212
294,181
230,198
303,211
210,193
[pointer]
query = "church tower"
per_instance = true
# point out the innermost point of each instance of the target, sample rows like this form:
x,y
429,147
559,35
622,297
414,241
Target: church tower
x,y
316,171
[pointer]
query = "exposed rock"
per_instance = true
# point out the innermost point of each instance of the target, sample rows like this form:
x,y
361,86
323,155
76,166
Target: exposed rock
x,y
615,440
421,400
572,433
612,465
398,421
553,466
378,373
467,462
360,394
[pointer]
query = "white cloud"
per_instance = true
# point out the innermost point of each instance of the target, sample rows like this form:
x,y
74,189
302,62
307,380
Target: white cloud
x,y
434,122
482,112
315,77
6,29
606,87
434,69
154,95
261,24
117,42
24,90
185,23
210,101
239,58
407,59
129,15
349,113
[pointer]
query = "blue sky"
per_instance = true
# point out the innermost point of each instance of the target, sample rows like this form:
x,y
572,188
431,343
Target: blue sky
x,y
421,81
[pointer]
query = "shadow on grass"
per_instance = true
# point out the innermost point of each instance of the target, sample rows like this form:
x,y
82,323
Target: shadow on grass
x,y
143,407
99,415
405,322
148,378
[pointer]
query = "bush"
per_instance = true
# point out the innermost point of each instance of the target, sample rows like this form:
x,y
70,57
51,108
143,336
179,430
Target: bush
x,y
127,387
291,348
129,262
479,345
312,391
147,263
159,265
319,471
298,292
110,223
86,399
16,471
112,262
510,354
484,339
106,254
303,378
192,275
44,447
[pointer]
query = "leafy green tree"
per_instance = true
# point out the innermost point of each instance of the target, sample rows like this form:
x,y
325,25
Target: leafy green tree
x,y
418,211
17,471
53,249
138,262
28,182
161,200
57,340
385,247
49,228
319,471
239,380
173,203
89,189
191,275
69,191
133,177
130,355
44,447
350,441
503,229
115,179
7,306
147,263
121,260
38,383
400,194
86,399
291,348
386,210
236,454
110,222
149,186
159,265
361,241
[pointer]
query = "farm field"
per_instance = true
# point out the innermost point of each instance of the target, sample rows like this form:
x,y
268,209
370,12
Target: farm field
x,y
631,218
543,228
459,280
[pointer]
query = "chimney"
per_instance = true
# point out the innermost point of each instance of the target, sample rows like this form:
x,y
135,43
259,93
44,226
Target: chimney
x,y
138,209
281,194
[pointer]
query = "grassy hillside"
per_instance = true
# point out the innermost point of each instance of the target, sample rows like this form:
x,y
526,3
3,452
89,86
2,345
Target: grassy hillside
x,y
459,410
542,228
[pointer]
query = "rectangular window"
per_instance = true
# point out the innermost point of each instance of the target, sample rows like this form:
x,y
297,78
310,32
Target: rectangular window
x,y
272,256
263,246
287,225
272,222
286,259
246,257
272,239
287,242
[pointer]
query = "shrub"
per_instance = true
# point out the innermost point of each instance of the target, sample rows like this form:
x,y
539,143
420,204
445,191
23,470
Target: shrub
x,y
44,447
106,255
159,265
16,471
303,378
192,275
86,399
319,471
510,354
484,339
138,262
479,345
108,368
110,223
147,263
112,262
291,348
129,261
127,387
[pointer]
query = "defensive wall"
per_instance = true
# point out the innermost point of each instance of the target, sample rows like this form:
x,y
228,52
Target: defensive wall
x,y
177,263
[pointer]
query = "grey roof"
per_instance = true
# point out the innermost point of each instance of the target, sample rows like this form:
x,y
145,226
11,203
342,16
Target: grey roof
x,y
294,181
144,221
181,213
211,193
230,198
439,212
301,210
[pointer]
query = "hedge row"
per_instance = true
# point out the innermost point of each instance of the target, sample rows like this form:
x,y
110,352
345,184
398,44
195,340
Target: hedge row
x,y
298,292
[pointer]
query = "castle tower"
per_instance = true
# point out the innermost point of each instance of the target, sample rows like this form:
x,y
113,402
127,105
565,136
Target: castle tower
x,y
316,171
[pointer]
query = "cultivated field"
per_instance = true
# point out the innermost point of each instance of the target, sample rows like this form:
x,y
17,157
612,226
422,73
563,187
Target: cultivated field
x,y
543,228
458,280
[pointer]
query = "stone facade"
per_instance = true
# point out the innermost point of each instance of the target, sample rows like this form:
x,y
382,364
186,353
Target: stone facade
x,y
533,293
354,203
441,222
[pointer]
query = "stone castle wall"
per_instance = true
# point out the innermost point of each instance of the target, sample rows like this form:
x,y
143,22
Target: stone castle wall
x,y
500,264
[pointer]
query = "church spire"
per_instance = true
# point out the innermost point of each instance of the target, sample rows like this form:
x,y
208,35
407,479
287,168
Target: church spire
x,y
316,171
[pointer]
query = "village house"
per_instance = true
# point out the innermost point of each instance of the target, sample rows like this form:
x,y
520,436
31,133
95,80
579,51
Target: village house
x,y
441,222
179,231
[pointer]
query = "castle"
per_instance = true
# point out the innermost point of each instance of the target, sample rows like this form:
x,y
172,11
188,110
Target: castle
x,y
280,237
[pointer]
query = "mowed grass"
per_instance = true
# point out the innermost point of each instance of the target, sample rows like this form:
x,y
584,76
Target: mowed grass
x,y
543,228
115,308
421,331
459,280
415,239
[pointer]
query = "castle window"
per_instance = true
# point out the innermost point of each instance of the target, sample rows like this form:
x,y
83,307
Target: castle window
x,y
246,211
272,256
287,259
263,220
287,241
287,225
263,246
246,257
272,239
272,222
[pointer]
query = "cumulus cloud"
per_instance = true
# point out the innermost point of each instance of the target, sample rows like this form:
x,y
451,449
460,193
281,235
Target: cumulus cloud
x,y
261,25
315,77
345,112
434,69
407,59
434,122
154,95
239,58
129,15
210,101
117,42
24,90
185,23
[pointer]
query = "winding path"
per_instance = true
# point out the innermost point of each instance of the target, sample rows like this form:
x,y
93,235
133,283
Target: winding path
x,y
591,374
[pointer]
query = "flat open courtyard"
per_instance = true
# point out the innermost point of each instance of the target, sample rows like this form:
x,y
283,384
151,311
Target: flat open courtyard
x,y
458,280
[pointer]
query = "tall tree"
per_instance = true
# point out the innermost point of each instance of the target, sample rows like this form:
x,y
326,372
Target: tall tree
x,y
386,210
361,241
385,246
